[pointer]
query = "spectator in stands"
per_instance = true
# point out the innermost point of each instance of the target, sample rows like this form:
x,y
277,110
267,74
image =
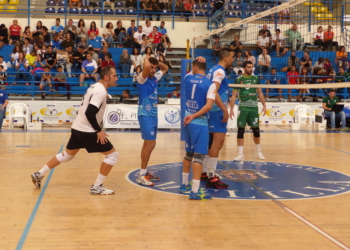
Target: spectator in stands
x,y
3,78
94,55
74,3
67,42
22,68
248,56
138,37
3,104
137,71
188,9
328,103
153,8
179,7
319,63
318,38
216,47
167,63
67,62
330,75
236,45
237,63
96,42
1,44
120,33
39,41
155,37
130,4
147,29
71,29
58,28
293,60
89,68
136,59
83,43
125,95
4,34
304,79
273,78
164,32
45,81
317,77
50,58
264,62
102,54
107,62
328,39
217,5
39,62
38,27
60,80
341,58
131,31
56,43
148,53
3,63
93,28
293,78
265,29
31,60
278,44
27,47
326,64
284,14
160,49
85,3
263,43
15,54
79,57
295,37
38,50
145,42
15,32
108,35
306,61
125,63
27,33
46,35
342,76
81,30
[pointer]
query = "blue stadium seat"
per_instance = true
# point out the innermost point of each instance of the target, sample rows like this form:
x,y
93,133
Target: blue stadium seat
x,y
237,7
252,13
208,13
85,11
239,14
73,11
198,13
50,10
119,12
61,10
61,3
258,9
131,12
96,11
204,6
51,3
119,5
108,11
165,12
196,7
230,14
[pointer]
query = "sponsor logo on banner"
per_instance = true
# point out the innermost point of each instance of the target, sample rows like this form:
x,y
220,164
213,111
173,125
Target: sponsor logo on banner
x,y
73,112
114,117
275,112
172,115
50,112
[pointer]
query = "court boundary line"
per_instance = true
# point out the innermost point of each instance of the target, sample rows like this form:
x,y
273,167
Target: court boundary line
x,y
36,207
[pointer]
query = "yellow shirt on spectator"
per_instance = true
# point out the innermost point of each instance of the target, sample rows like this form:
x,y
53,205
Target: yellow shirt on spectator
x,y
31,59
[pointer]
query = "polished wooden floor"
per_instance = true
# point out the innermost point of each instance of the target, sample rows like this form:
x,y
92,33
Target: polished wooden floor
x,y
68,217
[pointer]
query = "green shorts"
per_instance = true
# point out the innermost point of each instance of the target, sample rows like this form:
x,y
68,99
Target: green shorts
x,y
251,117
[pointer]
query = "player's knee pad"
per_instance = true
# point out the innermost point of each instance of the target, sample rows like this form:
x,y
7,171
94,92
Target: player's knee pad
x,y
256,132
240,133
198,158
111,159
188,156
64,157
211,138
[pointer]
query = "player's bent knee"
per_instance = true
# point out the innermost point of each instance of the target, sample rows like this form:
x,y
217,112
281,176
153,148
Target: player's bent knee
x,y
64,157
256,132
198,158
240,133
188,156
111,159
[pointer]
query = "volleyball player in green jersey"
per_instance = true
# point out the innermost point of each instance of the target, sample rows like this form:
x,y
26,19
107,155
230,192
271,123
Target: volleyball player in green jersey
x,y
248,108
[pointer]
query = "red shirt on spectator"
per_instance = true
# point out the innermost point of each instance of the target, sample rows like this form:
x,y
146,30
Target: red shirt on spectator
x,y
156,37
293,77
15,31
96,31
105,64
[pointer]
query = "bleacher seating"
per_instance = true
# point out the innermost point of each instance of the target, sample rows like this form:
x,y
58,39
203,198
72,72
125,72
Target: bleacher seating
x,y
119,12
14,2
51,3
3,2
61,3
50,10
11,9
96,11
61,10
85,11
119,4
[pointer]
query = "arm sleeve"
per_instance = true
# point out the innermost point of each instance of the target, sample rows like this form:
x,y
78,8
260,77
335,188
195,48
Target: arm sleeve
x,y
211,92
90,114
218,76
140,79
159,75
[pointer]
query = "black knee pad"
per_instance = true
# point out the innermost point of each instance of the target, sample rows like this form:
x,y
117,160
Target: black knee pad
x,y
198,158
256,132
240,133
188,156
211,138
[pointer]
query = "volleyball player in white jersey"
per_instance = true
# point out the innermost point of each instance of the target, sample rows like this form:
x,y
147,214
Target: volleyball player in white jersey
x,y
86,133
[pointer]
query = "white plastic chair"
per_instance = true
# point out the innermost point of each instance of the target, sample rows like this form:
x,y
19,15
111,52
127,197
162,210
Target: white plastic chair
x,y
18,110
301,112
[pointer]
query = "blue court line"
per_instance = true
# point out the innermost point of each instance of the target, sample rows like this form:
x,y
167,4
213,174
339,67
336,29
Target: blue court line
x,y
35,209
333,149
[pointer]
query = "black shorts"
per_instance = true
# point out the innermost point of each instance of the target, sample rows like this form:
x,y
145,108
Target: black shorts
x,y
15,38
167,39
273,47
88,141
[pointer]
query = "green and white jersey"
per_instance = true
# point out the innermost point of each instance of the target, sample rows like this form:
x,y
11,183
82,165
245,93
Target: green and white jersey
x,y
247,96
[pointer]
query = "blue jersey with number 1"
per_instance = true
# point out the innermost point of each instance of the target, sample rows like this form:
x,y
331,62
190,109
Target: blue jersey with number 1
x,y
217,74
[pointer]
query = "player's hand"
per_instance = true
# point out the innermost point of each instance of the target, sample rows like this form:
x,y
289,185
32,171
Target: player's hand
x,y
232,114
225,116
264,110
188,120
201,59
102,137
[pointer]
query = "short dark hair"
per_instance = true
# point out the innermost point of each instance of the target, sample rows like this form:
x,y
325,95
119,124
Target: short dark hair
x,y
91,48
244,65
1,66
155,27
59,66
127,91
240,71
273,69
2,57
132,21
106,71
331,90
81,47
89,54
57,19
46,67
278,30
199,65
49,46
237,36
162,22
223,53
153,60
139,26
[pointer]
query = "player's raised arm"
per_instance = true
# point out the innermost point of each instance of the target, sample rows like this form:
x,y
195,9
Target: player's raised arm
x,y
146,68
163,68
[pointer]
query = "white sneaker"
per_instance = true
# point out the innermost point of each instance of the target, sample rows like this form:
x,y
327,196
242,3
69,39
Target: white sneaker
x,y
227,134
240,157
100,190
144,179
260,155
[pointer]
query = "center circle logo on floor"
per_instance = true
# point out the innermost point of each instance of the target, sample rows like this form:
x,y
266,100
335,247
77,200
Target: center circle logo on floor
x,y
251,180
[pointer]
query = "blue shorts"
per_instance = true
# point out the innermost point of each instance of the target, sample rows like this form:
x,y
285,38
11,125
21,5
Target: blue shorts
x,y
196,139
215,122
148,127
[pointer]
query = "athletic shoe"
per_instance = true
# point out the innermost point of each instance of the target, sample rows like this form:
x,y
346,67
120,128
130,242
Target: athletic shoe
x,y
100,190
239,157
333,130
200,195
152,177
345,129
185,188
214,182
260,155
144,180
36,179
204,176
266,99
